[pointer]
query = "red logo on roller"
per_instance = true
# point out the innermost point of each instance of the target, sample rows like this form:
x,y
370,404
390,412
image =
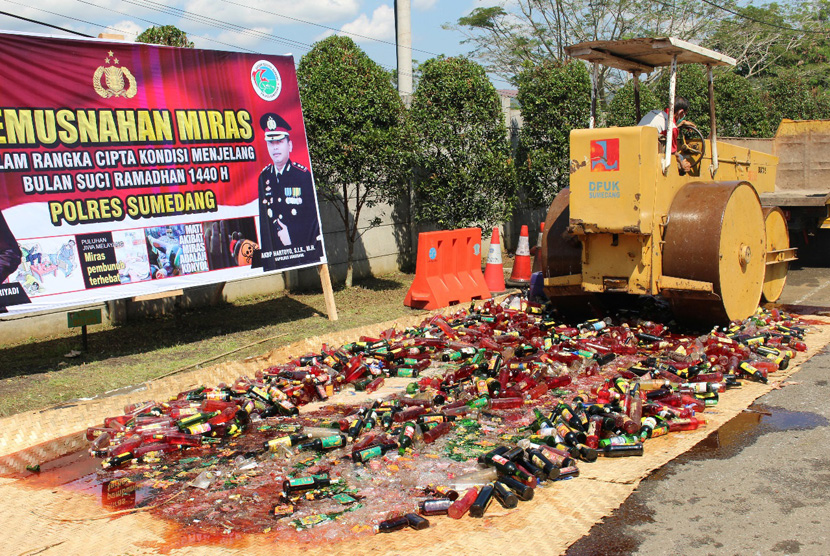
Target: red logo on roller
x,y
605,155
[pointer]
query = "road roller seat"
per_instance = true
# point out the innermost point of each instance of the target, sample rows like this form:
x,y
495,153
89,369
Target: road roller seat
x,y
687,150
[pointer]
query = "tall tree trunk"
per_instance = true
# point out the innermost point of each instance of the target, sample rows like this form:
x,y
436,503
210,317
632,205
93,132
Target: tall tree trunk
x,y
350,237
349,269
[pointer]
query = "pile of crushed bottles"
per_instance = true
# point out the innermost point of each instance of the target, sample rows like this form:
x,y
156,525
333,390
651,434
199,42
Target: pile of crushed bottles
x,y
501,400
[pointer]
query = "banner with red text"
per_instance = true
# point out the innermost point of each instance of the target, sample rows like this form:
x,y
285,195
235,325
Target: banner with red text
x,y
128,169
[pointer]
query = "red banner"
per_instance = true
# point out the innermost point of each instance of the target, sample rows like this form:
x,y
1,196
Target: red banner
x,y
128,168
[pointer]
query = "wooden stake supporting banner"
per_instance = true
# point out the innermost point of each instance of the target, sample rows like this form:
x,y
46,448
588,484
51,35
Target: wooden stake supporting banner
x,y
328,292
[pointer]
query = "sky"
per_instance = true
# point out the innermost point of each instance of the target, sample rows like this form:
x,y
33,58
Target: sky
x,y
268,27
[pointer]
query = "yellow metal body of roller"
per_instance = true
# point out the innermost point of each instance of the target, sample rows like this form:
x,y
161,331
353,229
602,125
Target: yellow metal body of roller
x,y
621,207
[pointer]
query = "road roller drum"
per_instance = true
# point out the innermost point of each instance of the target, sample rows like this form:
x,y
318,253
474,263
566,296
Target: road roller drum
x,y
715,233
778,253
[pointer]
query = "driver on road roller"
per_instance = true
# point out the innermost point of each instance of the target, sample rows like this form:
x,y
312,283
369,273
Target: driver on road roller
x,y
659,119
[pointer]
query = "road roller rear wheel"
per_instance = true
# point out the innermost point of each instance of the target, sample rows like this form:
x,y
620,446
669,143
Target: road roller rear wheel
x,y
561,252
715,233
778,238
561,255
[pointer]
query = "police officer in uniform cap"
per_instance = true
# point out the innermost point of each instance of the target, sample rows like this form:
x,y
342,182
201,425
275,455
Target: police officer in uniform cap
x,y
287,204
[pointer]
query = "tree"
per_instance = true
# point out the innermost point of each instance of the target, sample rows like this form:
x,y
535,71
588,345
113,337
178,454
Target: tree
x,y
739,109
768,38
789,95
814,54
504,37
166,35
357,133
555,98
465,175
759,37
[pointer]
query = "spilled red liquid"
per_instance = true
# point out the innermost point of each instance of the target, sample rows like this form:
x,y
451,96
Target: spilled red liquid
x,y
225,493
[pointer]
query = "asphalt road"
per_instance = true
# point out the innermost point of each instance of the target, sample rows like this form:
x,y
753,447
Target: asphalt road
x,y
759,485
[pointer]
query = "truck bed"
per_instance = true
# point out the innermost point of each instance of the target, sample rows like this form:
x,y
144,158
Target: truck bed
x,y
795,198
803,151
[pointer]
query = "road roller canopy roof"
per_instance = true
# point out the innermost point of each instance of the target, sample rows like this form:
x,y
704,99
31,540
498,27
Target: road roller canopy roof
x,y
645,54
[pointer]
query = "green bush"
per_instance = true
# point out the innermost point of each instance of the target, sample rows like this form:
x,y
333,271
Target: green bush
x,y
465,176
166,35
739,109
555,98
693,85
357,134
789,95
622,111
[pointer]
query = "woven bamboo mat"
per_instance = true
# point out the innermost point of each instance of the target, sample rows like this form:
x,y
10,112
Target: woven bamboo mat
x,y
58,522
29,438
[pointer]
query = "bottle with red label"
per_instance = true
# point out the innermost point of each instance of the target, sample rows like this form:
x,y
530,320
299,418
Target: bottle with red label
x,y
462,505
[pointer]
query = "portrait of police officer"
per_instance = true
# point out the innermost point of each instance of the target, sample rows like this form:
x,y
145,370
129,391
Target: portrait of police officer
x,y
287,203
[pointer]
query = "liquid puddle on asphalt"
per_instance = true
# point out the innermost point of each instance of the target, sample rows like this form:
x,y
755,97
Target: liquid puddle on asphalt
x,y
613,536
742,431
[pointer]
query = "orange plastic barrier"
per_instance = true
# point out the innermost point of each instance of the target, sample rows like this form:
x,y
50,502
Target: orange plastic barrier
x,y
448,270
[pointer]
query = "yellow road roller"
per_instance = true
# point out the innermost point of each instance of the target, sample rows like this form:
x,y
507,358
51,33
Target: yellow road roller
x,y
632,222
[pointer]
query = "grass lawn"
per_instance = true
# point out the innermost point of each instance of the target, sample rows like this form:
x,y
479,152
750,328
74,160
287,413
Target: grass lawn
x,y
35,374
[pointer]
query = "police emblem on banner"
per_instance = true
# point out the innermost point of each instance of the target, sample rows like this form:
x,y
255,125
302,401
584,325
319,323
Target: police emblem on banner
x,y
266,80
115,78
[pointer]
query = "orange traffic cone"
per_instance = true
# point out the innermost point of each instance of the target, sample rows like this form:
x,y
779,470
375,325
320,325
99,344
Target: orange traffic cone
x,y
537,258
521,264
494,271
